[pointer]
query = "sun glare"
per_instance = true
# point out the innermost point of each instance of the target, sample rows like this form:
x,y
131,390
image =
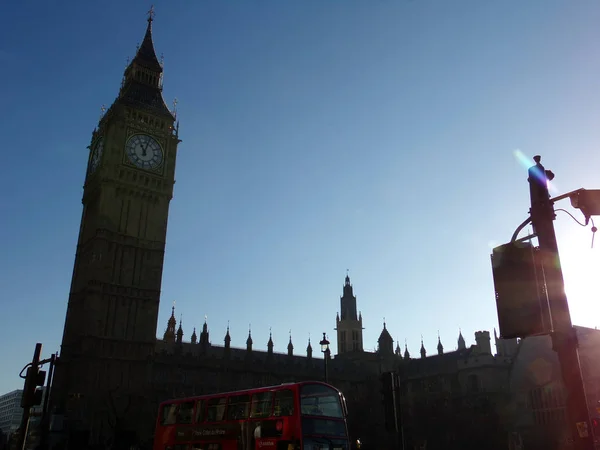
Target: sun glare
x,y
581,269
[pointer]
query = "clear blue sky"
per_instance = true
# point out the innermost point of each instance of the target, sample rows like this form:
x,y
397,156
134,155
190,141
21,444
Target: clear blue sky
x,y
318,136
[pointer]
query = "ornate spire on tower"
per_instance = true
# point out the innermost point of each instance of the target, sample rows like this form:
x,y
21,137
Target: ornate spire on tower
x,y
142,80
227,337
194,336
179,333
290,346
309,349
461,341
249,340
423,351
406,353
204,336
270,343
169,335
440,347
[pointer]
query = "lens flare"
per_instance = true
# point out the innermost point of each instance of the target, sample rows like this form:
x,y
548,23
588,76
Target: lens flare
x,y
527,162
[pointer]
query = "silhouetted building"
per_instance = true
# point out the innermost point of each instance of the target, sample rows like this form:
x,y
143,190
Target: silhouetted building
x,y
113,371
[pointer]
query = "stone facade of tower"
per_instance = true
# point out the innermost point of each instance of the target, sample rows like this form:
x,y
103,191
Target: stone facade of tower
x,y
349,323
110,326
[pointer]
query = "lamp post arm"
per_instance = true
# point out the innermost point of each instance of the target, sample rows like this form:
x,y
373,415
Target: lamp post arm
x,y
567,195
519,228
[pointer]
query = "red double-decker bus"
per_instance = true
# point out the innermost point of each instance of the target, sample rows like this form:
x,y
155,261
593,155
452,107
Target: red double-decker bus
x,y
293,416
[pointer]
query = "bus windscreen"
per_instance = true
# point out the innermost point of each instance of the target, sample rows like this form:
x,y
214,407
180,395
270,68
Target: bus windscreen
x,y
320,400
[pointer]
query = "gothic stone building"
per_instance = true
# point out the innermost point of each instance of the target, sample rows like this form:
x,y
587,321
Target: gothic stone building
x,y
113,372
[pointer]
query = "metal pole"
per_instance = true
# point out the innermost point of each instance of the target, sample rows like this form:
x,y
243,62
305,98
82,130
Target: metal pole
x,y
326,362
45,422
564,337
22,436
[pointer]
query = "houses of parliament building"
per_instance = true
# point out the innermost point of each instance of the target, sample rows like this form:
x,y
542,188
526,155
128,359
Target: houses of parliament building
x,y
114,372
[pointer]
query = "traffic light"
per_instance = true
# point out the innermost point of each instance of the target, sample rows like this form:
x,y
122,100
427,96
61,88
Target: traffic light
x,y
33,391
521,300
390,392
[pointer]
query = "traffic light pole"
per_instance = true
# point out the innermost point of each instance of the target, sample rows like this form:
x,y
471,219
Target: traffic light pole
x,y
22,436
564,337
45,422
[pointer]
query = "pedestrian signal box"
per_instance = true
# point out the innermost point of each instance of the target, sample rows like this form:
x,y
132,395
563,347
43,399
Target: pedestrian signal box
x,y
521,298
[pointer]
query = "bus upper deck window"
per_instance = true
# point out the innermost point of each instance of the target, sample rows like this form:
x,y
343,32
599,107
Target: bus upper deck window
x,y
169,414
284,403
262,404
185,412
238,407
216,409
200,411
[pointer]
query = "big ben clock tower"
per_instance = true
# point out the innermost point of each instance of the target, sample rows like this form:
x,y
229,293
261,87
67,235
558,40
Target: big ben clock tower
x,y
110,326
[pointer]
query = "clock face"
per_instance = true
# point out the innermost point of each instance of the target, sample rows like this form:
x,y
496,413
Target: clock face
x,y
144,152
96,154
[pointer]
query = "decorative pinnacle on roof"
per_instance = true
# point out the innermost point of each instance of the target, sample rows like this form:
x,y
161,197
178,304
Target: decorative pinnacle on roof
x,y
227,335
172,321
249,340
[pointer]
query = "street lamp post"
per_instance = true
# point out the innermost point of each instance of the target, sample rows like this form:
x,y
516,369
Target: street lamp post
x,y
325,349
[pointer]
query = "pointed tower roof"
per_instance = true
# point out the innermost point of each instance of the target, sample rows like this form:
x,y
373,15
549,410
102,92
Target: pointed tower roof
x,y
398,351
194,336
142,81
309,346
179,333
270,343
227,339
406,353
146,55
385,335
440,347
290,346
205,336
423,351
249,340
169,335
461,341
172,321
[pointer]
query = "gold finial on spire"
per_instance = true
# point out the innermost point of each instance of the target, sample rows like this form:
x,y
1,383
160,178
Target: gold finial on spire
x,y
151,14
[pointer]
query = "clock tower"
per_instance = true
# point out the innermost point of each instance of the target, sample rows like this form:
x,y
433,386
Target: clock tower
x,y
110,327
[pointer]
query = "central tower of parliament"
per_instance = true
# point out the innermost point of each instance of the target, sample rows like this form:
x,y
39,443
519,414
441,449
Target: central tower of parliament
x,y
113,371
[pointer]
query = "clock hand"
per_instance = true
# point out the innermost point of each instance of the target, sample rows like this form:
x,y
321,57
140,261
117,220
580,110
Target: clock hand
x,y
145,148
